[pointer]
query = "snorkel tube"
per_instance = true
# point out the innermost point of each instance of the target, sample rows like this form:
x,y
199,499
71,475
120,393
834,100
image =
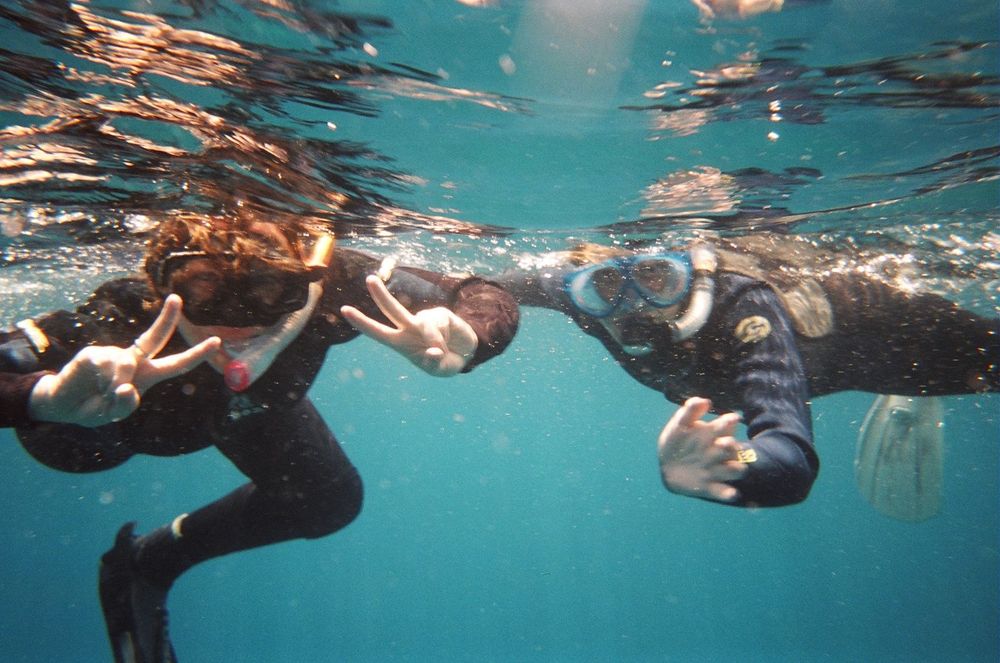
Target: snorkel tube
x,y
704,262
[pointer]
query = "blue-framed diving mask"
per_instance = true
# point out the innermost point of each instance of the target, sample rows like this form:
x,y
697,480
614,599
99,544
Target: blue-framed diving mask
x,y
618,284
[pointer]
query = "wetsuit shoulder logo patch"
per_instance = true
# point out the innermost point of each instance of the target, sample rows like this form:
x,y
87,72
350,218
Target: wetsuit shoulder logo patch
x,y
242,405
753,329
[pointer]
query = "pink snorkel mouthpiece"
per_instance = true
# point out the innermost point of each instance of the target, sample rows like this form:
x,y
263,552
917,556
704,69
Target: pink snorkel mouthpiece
x,y
237,375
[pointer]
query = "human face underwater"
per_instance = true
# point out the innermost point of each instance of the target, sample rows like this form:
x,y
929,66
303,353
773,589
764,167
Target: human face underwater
x,y
630,295
256,303
621,283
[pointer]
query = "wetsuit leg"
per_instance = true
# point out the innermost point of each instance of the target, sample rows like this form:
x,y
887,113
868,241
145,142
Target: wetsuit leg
x,y
950,351
302,486
891,342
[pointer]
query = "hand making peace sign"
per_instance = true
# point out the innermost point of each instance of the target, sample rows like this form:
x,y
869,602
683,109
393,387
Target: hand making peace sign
x,y
102,384
435,339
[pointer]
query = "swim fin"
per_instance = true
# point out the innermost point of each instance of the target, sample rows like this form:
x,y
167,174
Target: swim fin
x,y
134,609
899,461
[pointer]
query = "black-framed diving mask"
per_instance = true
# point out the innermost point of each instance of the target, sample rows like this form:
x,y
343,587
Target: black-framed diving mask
x,y
224,289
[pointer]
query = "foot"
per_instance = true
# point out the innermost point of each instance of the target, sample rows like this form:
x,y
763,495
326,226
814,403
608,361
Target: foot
x,y
134,609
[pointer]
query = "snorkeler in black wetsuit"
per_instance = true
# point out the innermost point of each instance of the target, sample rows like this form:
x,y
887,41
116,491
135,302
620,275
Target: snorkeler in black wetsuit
x,y
760,325
278,304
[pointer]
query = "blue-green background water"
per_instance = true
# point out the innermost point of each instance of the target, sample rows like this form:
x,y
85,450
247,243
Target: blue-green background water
x,y
516,513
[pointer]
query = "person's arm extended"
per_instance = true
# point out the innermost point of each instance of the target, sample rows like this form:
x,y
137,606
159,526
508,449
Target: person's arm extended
x,y
777,465
770,377
444,325
539,285
15,393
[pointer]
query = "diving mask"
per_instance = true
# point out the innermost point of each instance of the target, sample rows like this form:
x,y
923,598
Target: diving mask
x,y
618,284
216,294
225,289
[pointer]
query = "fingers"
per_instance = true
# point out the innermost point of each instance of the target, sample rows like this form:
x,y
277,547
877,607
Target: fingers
x,y
722,492
388,304
725,424
122,403
151,342
368,326
693,409
118,368
182,362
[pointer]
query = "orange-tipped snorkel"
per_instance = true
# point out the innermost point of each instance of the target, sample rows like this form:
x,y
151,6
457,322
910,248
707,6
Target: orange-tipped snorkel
x,y
322,251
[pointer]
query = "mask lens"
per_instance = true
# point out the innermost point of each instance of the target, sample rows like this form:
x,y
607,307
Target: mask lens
x,y
275,293
661,280
608,283
595,290
197,283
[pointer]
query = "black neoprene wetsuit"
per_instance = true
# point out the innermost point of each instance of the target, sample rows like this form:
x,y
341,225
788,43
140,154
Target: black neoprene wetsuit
x,y
883,341
15,390
301,482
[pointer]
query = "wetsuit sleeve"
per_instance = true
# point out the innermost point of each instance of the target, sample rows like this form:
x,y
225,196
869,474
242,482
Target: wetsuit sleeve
x,y
15,390
537,287
491,312
22,354
770,381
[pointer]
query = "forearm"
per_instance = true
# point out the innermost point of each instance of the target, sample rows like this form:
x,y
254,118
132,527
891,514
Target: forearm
x,y
15,397
538,287
773,392
781,469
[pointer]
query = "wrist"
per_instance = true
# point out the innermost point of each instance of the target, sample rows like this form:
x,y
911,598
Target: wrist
x,y
40,398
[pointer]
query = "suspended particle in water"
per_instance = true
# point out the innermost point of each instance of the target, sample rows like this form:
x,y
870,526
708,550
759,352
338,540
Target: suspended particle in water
x,y
772,136
106,497
370,50
507,64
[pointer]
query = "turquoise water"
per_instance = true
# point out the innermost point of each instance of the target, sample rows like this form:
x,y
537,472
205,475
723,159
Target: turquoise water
x,y
516,513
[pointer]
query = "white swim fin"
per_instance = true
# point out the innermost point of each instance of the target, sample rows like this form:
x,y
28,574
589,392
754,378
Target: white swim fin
x,y
899,461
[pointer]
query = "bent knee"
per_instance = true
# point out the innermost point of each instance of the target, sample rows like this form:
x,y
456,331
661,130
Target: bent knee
x,y
336,508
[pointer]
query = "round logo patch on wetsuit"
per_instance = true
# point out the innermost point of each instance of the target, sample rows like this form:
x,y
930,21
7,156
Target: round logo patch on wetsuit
x,y
752,329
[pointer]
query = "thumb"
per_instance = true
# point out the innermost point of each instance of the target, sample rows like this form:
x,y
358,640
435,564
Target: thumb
x,y
124,402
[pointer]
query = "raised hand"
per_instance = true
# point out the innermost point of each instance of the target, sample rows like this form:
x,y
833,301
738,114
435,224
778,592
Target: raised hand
x,y
697,457
435,339
710,9
102,384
